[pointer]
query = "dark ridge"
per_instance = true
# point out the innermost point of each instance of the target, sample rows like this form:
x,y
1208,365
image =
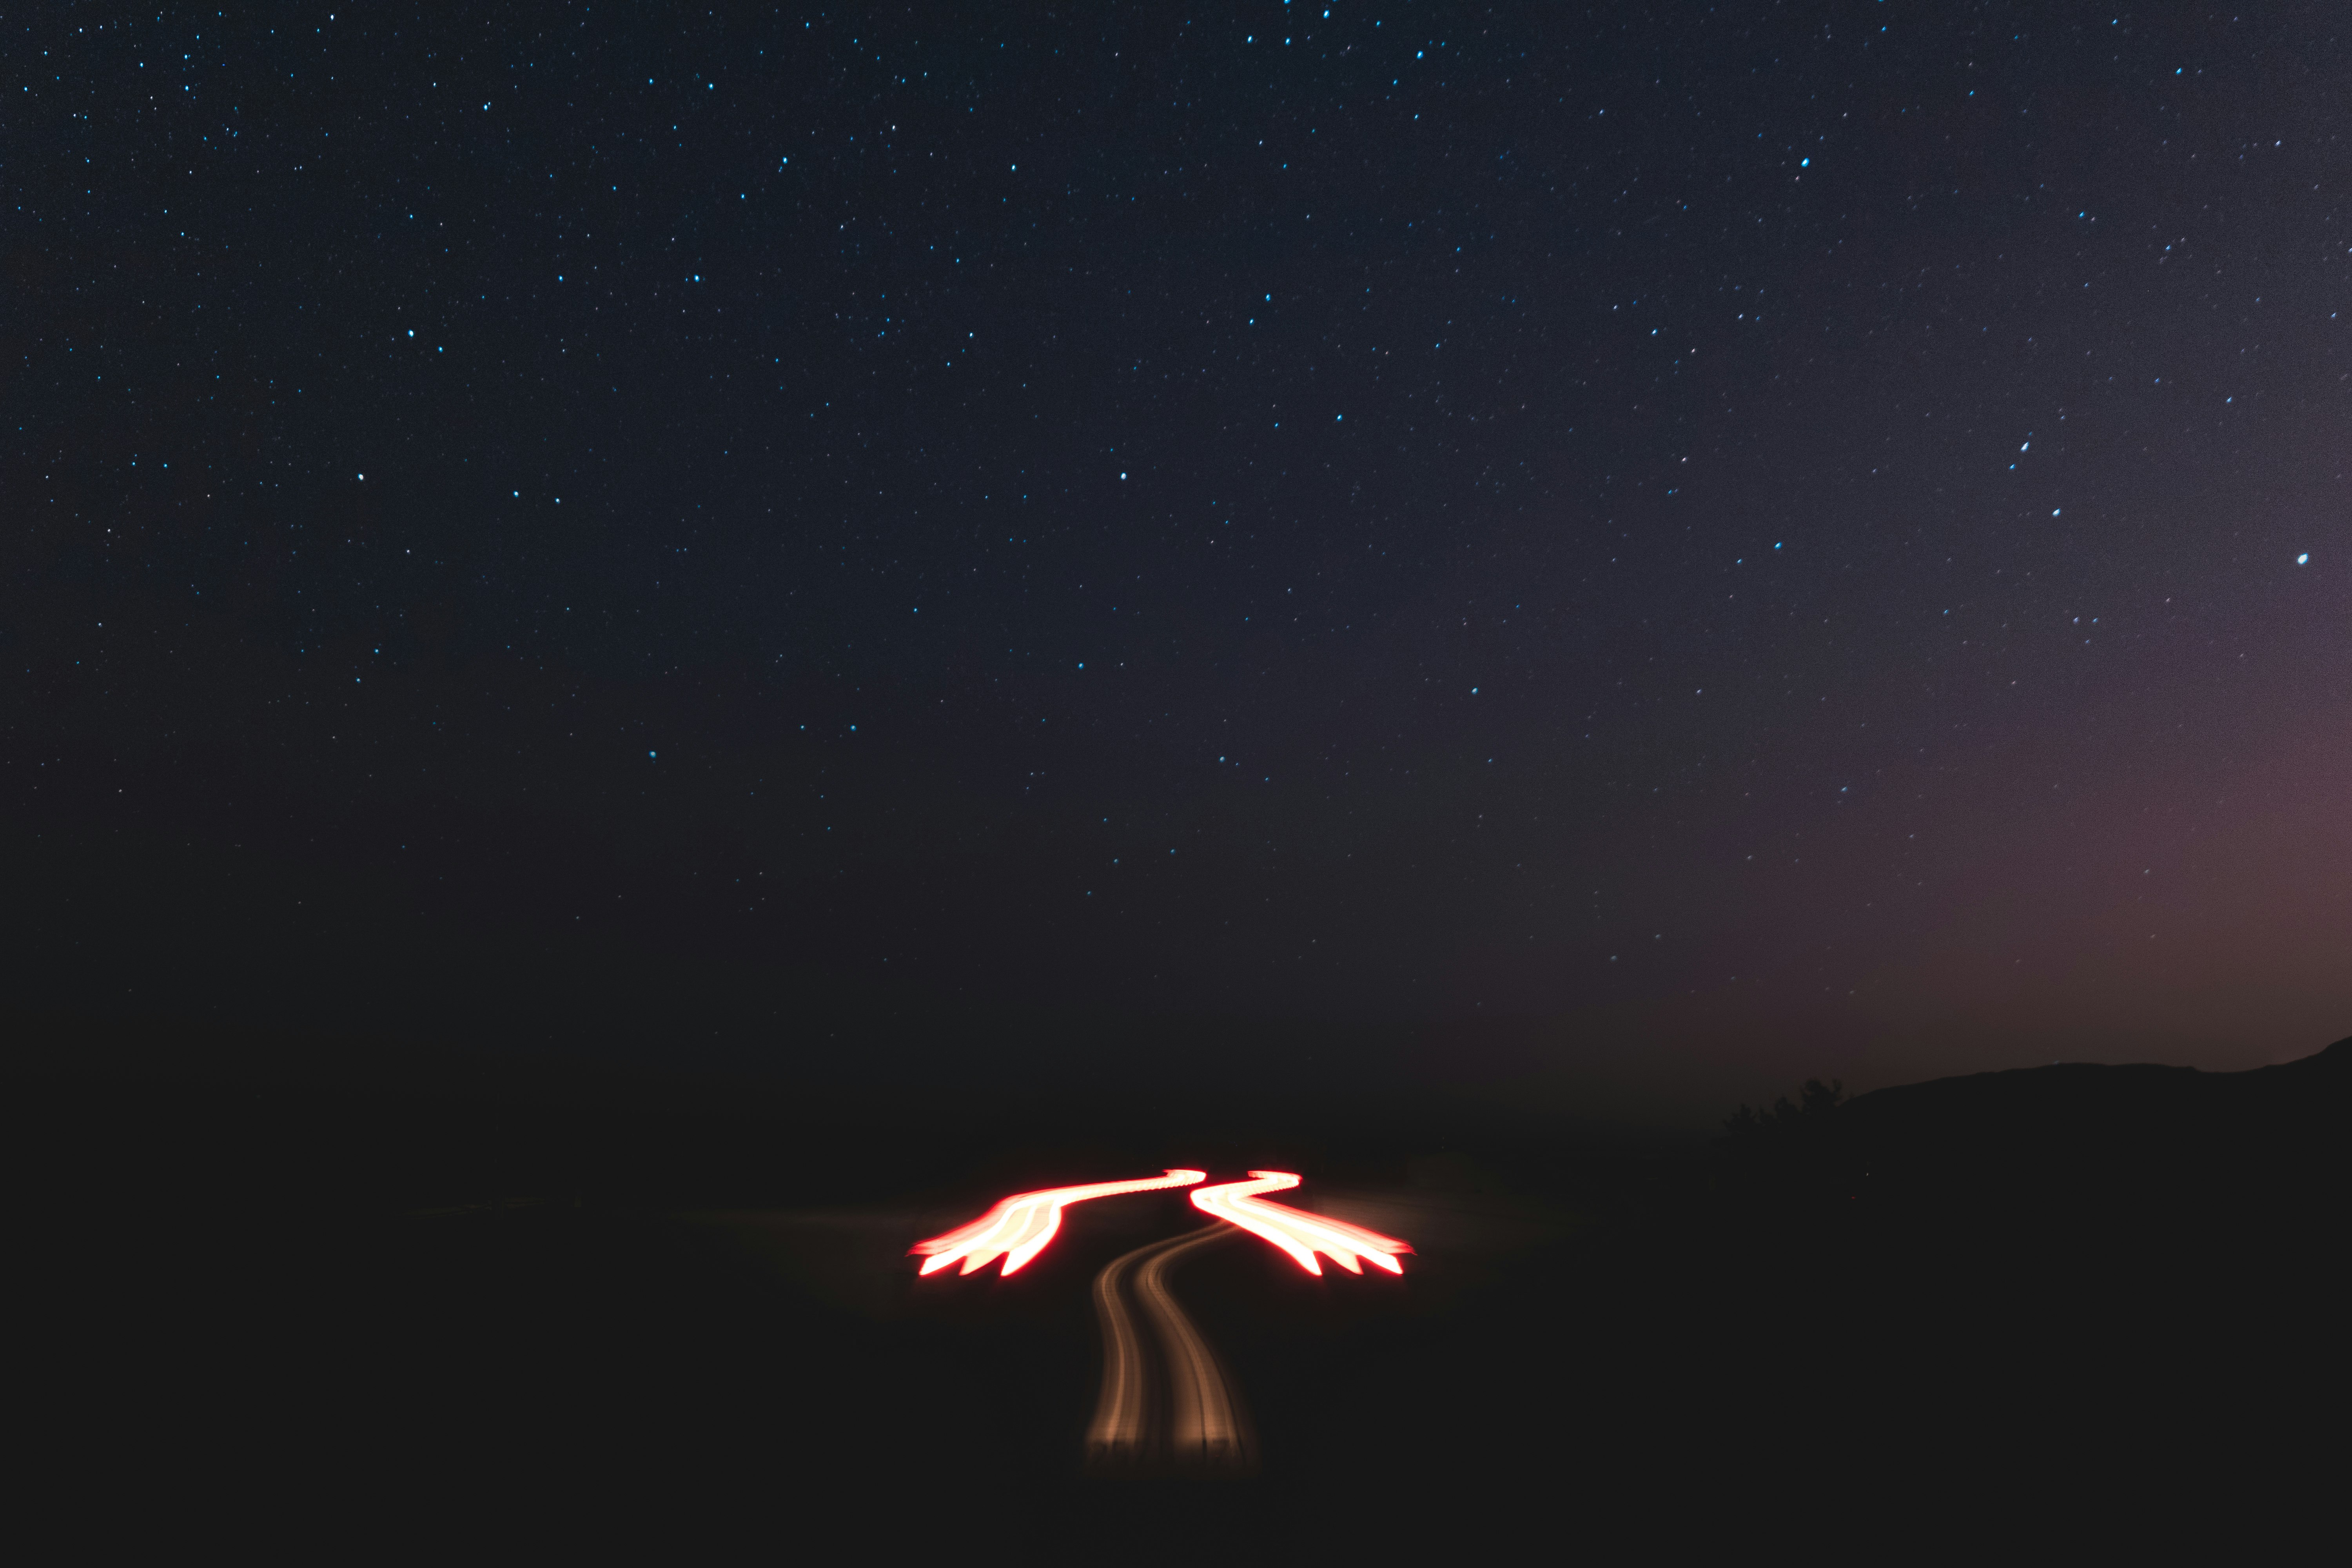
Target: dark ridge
x,y
2141,1138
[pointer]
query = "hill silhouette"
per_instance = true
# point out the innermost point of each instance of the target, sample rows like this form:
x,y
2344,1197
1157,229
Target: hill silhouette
x,y
2142,1138
2117,1279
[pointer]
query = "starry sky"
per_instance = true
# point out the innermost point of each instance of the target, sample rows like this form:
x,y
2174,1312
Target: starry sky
x,y
1809,534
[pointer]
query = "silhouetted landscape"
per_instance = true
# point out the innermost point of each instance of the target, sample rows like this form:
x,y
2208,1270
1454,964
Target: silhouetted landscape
x,y
571,1302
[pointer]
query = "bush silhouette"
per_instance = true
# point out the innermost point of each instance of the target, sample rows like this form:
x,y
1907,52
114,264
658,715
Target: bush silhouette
x,y
1815,1101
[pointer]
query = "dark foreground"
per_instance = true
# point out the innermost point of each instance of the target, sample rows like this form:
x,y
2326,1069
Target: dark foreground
x,y
2023,1311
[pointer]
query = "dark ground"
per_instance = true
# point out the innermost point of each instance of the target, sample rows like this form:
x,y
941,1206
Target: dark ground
x,y
2023,1312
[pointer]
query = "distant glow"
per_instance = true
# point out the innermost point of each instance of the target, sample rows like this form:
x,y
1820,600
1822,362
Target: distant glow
x,y
1018,1227
2304,559
1299,1233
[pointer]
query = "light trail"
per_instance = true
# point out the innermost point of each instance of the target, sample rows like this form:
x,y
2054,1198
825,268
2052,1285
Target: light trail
x,y
1199,1420
1018,1227
1297,1233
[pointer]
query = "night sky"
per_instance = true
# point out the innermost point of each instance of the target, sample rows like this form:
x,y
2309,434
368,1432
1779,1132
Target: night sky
x,y
1789,538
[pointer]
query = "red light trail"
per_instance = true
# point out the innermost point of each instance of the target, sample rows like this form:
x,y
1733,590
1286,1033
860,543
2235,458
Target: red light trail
x,y
1018,1227
1299,1233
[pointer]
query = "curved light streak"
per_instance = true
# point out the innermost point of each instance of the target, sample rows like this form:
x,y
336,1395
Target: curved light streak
x,y
1018,1227
1194,1415
1297,1233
